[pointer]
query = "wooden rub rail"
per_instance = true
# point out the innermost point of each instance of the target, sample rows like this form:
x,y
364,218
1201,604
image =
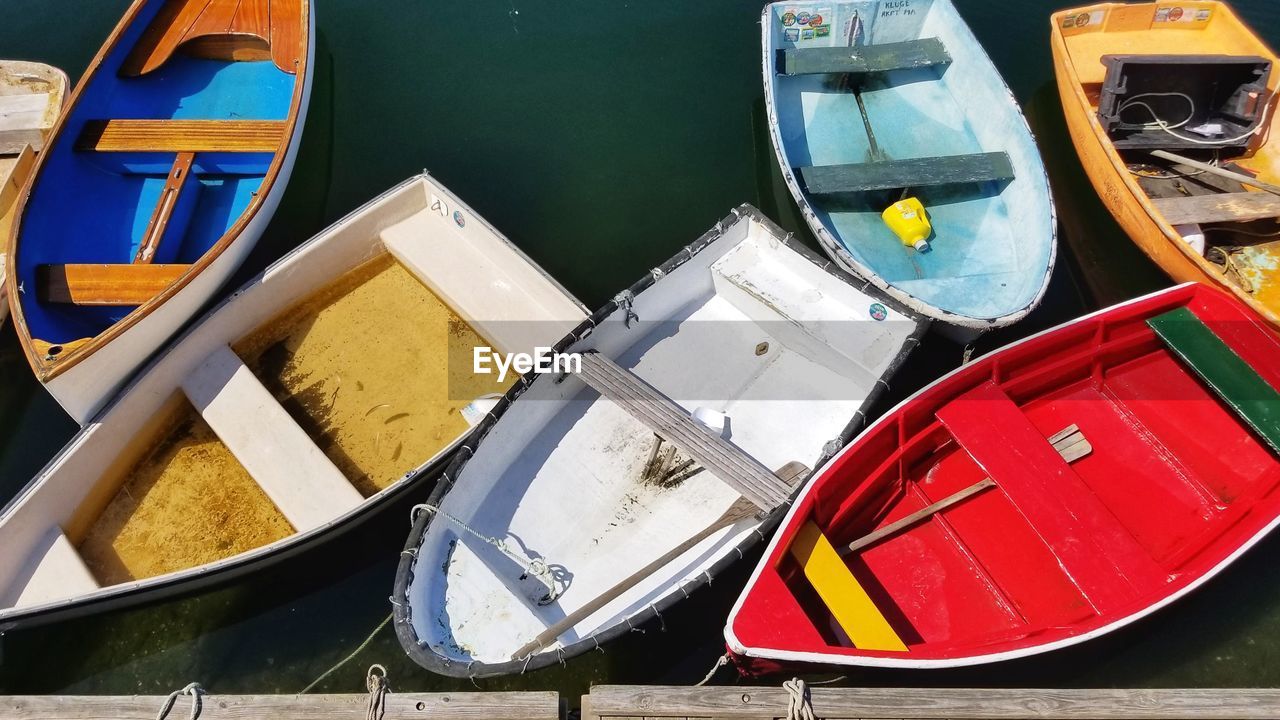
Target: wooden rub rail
x,y
765,703
422,706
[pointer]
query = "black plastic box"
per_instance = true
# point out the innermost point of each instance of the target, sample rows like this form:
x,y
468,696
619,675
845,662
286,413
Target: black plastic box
x,y
1227,90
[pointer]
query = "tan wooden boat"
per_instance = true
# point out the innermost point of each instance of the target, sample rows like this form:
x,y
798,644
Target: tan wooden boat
x,y
31,99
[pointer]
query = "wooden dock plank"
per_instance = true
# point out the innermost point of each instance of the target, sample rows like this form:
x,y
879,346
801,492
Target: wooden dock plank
x,y
437,706
758,703
1223,207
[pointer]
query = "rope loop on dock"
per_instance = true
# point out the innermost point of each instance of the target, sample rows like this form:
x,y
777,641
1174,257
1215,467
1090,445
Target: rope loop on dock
x,y
799,704
192,689
375,680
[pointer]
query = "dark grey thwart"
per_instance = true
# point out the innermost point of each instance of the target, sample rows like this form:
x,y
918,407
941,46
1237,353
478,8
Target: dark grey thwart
x,y
913,173
907,55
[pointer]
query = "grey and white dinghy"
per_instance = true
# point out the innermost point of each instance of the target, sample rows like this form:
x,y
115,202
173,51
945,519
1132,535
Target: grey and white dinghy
x,y
590,500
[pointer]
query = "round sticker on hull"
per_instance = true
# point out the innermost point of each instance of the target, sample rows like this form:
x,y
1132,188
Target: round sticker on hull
x,y
789,19
803,18
878,312
457,218
1082,19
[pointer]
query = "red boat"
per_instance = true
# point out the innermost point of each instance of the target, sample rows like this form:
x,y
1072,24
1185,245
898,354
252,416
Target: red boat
x,y
1046,494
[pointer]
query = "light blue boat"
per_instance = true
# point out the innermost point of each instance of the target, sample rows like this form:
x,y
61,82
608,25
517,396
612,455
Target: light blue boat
x,y
874,101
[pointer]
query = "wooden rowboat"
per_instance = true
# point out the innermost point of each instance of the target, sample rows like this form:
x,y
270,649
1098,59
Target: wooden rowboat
x,y
334,382
1232,229
870,105
591,501
171,158
31,98
1049,493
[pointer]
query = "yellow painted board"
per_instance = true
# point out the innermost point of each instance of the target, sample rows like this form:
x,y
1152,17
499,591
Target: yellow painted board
x,y
843,595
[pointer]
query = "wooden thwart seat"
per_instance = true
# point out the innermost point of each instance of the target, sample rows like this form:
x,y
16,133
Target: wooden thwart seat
x,y
194,136
926,52
100,284
716,455
55,571
1092,547
849,603
820,180
1221,207
1231,378
277,453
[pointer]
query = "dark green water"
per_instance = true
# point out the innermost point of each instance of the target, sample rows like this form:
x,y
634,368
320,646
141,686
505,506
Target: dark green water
x,y
601,136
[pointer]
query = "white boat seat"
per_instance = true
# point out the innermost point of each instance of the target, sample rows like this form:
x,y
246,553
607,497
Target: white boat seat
x,y
303,483
716,455
821,180
528,308
54,571
886,57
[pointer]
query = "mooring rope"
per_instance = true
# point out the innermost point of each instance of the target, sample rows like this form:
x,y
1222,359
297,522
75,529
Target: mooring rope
x,y
378,688
192,689
350,657
720,662
799,704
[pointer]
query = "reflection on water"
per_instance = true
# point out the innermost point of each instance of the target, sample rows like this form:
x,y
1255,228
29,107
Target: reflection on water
x,y
598,170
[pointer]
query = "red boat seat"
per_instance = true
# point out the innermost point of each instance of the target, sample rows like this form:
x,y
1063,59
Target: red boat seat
x,y
1099,554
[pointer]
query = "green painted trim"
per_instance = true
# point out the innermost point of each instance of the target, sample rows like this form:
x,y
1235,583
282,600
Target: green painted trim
x,y
1234,381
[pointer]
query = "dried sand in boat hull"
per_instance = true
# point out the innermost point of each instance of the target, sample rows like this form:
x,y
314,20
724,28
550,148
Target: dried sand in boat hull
x,y
187,503
363,366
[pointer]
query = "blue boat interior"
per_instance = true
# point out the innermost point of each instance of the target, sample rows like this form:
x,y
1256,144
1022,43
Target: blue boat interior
x,y
993,236
102,193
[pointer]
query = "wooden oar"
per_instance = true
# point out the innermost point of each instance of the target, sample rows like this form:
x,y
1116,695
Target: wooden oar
x,y
740,510
1215,170
1069,442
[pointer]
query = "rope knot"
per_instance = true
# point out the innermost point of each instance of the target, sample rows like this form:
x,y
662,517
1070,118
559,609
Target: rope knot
x,y
375,681
799,704
192,689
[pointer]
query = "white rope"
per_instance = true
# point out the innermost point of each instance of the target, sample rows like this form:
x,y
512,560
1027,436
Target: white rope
x,y
1161,124
799,705
192,689
378,688
721,662
348,658
536,567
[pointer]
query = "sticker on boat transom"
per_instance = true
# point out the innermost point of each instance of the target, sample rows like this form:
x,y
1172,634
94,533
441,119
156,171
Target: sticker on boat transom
x,y
1183,14
457,218
806,23
1084,19
878,312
